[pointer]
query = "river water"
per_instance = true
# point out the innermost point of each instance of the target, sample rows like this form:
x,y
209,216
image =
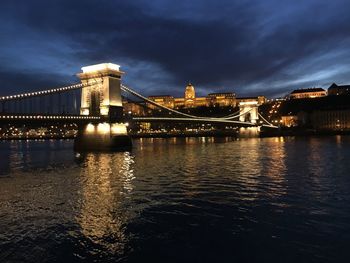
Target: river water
x,y
177,200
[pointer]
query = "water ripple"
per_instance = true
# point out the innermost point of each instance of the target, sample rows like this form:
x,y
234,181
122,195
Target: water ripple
x,y
176,200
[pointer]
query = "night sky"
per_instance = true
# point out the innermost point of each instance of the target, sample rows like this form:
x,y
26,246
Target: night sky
x,y
250,47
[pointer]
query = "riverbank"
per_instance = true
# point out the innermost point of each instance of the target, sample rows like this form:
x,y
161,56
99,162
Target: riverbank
x,y
21,138
286,132
232,133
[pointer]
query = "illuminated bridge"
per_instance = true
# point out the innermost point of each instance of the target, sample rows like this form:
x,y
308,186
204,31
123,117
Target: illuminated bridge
x,y
95,107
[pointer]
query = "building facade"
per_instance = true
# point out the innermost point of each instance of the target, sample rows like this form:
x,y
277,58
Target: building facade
x,y
335,90
190,96
308,93
165,100
133,108
191,101
220,99
331,120
289,120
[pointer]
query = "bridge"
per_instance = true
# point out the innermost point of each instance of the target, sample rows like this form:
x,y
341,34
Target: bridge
x,y
100,120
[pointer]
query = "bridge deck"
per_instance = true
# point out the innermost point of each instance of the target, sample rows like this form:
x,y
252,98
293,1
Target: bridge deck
x,y
194,120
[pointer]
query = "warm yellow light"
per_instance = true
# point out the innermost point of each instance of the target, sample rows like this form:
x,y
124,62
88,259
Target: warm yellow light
x,y
248,103
90,128
104,111
84,112
118,128
99,67
103,128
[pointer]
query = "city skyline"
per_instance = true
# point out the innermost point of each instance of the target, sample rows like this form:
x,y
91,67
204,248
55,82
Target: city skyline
x,y
246,47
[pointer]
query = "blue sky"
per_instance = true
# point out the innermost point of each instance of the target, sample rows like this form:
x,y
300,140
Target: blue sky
x,y
249,47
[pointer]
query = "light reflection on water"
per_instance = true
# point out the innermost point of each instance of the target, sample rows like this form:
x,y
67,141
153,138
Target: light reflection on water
x,y
107,180
194,199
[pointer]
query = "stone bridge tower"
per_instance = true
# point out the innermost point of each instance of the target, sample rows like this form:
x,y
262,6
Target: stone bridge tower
x,y
251,108
102,98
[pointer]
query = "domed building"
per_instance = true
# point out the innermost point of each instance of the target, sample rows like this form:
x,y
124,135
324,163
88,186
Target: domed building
x,y
190,93
191,101
190,96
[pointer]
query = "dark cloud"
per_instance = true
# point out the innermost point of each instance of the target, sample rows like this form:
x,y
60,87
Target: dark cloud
x,y
23,81
250,47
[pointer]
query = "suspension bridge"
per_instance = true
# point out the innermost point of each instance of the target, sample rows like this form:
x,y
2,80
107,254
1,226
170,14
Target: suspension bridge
x,y
95,106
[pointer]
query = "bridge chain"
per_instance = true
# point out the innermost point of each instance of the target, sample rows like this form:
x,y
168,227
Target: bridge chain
x,y
47,92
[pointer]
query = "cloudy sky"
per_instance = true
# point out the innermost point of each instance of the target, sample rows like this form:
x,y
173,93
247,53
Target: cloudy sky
x,y
250,47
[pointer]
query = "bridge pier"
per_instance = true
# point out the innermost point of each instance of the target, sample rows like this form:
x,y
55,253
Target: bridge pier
x,y
249,132
102,136
103,99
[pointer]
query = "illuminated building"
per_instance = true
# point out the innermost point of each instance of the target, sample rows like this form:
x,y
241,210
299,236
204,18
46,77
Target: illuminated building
x,y
335,90
201,101
165,100
133,108
261,100
190,96
179,103
308,93
331,119
289,120
221,99
190,100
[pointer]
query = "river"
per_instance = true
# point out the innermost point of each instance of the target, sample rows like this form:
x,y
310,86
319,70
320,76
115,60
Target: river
x,y
177,200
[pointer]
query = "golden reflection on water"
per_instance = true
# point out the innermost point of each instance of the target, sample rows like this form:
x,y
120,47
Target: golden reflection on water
x,y
275,162
338,139
317,162
275,165
248,157
106,180
191,167
315,157
264,164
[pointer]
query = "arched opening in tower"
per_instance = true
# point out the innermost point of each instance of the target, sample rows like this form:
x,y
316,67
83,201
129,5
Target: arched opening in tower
x,y
95,103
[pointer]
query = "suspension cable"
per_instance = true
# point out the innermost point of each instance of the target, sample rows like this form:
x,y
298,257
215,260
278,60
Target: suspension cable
x,y
48,92
233,117
269,123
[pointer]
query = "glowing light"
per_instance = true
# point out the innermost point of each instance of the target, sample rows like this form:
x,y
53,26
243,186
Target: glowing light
x,y
103,127
104,111
118,128
248,103
99,67
84,112
90,128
